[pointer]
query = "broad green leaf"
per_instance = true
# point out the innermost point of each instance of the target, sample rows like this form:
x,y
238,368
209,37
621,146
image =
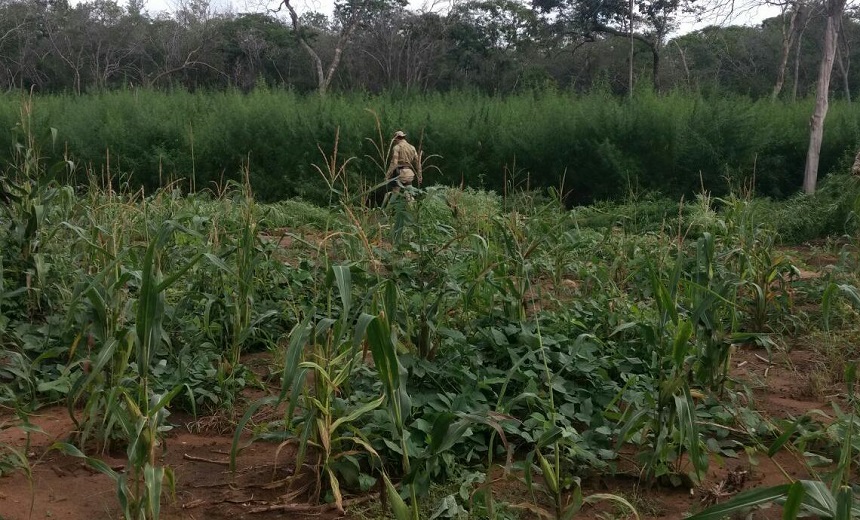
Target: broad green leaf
x,y
96,464
605,497
844,501
852,293
219,263
782,439
743,501
388,368
240,427
358,412
299,337
549,474
164,400
398,507
686,410
550,436
682,338
632,425
819,499
343,279
361,329
791,508
154,478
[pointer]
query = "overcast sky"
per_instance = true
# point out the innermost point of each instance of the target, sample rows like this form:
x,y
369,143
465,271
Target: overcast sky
x,y
736,12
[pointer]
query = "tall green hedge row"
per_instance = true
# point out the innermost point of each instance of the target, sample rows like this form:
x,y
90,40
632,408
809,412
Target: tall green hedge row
x,y
598,145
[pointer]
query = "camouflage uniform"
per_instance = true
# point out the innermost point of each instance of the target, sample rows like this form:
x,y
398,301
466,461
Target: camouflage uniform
x,y
404,163
856,168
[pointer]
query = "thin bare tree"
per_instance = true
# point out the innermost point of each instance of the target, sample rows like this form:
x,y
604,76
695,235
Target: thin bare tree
x,y
351,14
790,10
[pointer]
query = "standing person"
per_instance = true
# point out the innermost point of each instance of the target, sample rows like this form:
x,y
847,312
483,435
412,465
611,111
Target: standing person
x,y
405,164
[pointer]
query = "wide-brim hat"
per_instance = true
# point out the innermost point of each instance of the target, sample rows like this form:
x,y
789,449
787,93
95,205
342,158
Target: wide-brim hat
x,y
399,134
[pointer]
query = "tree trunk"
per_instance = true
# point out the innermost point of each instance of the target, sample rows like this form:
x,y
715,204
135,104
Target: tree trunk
x,y
653,43
796,69
843,56
323,78
835,8
630,71
797,47
655,51
683,61
787,40
843,72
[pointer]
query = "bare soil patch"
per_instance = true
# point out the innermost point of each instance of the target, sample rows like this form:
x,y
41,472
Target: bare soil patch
x,y
64,487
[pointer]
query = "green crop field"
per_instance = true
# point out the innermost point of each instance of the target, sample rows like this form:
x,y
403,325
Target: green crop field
x,y
463,354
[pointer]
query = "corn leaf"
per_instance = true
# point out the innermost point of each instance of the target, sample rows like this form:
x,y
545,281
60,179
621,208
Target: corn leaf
x,y
606,497
791,508
398,507
743,501
154,479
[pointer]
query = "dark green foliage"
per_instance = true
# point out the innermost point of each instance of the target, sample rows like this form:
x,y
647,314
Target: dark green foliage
x,y
593,146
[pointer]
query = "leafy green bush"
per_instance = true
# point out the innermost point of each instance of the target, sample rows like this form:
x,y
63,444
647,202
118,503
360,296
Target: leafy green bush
x,y
592,146
829,212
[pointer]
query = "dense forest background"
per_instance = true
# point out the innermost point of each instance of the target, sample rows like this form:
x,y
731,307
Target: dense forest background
x,y
597,98
494,46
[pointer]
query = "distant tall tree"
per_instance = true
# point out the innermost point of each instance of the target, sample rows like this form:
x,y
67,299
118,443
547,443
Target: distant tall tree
x,y
494,42
349,15
843,59
399,50
806,16
20,49
65,28
255,45
790,11
655,19
834,10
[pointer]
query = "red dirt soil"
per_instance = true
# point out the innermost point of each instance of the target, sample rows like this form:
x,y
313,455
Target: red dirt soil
x,y
64,487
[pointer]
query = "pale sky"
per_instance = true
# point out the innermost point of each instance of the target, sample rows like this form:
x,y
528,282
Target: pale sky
x,y
733,12
302,6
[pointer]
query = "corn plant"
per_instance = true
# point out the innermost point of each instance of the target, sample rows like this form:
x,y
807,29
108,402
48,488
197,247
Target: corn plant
x,y
321,357
446,428
379,336
423,265
851,293
32,197
240,256
836,499
130,407
141,485
14,459
102,305
663,422
764,274
564,491
710,295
